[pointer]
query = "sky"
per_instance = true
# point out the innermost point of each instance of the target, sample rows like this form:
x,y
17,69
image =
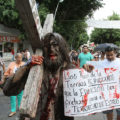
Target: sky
x,y
107,10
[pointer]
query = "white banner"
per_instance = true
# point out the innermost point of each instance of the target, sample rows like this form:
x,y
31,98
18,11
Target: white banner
x,y
108,24
86,93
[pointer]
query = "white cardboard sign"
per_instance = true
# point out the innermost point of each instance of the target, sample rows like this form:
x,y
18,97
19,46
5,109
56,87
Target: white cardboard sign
x,y
86,93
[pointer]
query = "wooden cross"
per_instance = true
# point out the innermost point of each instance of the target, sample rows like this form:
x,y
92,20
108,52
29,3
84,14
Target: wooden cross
x,y
31,21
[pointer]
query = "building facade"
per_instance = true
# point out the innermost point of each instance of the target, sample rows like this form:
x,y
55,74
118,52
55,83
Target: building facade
x,y
9,41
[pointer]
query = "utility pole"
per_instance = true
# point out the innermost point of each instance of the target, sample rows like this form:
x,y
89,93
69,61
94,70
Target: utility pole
x,y
60,1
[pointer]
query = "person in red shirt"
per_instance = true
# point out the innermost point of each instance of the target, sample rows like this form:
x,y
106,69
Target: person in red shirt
x,y
13,53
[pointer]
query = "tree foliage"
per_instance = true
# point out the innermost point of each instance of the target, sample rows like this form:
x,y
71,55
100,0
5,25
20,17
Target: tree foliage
x,y
66,22
70,18
72,9
107,35
9,15
74,32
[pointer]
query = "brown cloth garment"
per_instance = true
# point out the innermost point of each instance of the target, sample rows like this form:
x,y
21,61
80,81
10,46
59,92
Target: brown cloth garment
x,y
56,105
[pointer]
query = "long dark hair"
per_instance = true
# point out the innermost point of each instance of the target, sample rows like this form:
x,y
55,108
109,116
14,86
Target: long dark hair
x,y
63,47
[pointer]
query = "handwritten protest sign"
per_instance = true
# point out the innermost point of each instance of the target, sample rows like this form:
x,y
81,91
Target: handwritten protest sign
x,y
86,93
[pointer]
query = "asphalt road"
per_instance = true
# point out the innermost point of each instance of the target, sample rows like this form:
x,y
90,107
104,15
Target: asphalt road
x,y
5,110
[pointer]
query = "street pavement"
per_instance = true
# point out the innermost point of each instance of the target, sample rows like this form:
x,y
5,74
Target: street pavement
x,y
5,110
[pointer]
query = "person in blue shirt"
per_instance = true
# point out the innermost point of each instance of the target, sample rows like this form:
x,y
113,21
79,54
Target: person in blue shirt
x,y
84,56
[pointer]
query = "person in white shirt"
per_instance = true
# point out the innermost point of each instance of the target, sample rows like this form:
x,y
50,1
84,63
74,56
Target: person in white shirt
x,y
27,54
110,61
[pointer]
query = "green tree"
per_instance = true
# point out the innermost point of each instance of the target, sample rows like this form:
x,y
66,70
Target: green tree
x,y
107,35
70,18
66,22
72,9
75,33
9,16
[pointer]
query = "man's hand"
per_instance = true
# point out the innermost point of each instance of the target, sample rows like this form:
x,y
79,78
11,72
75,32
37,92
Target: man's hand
x,y
2,80
88,68
37,60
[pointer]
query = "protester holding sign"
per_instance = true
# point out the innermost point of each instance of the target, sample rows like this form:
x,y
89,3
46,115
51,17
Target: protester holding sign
x,y
84,56
110,62
87,93
74,58
102,55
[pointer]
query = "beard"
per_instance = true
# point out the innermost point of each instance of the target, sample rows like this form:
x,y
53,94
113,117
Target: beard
x,y
53,65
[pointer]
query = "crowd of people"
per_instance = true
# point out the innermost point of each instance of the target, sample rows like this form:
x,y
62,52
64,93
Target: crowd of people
x,y
87,54
109,58
25,54
18,60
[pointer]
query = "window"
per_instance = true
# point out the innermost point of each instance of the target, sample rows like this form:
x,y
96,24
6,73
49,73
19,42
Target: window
x,y
8,46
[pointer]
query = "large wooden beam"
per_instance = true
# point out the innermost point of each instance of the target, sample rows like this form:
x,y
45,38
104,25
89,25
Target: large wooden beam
x,y
48,25
32,90
29,15
31,21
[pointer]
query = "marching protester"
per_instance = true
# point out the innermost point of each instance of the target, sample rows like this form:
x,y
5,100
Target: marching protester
x,y
74,58
27,54
91,51
2,70
24,58
70,54
96,57
110,61
118,55
102,55
13,66
84,56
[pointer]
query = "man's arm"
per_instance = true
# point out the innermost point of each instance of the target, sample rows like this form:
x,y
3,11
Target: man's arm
x,y
3,79
88,68
6,73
